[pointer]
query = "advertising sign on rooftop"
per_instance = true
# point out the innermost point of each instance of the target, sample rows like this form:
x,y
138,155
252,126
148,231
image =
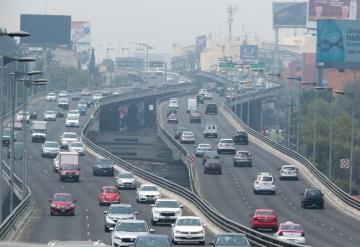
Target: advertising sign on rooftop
x,y
80,32
289,14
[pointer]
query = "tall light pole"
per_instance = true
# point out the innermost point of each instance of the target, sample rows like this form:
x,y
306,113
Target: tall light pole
x,y
352,95
330,140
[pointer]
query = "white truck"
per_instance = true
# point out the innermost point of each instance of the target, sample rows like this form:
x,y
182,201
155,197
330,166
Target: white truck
x,y
38,131
68,166
191,105
64,102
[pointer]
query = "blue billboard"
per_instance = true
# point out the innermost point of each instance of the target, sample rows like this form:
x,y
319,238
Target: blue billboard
x,y
338,44
248,53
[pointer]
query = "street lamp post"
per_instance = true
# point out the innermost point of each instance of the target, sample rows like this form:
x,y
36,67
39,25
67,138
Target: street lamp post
x,y
352,95
330,140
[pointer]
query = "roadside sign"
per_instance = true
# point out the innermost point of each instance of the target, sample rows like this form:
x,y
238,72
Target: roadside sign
x,y
257,66
190,159
344,163
226,65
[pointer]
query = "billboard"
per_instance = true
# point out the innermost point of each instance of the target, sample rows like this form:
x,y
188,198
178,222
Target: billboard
x,y
338,43
80,32
289,14
333,9
46,29
201,42
248,52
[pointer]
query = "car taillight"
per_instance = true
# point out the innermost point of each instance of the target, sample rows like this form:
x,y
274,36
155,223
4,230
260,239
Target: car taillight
x,y
303,234
281,234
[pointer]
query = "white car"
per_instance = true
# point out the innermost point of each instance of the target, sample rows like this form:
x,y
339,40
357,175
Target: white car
x,y
173,103
20,116
226,146
126,231
202,148
264,182
50,149
51,97
187,137
72,121
211,130
56,163
126,180
188,229
202,91
208,95
67,138
77,147
63,94
291,232
288,172
165,211
97,96
73,113
50,116
147,193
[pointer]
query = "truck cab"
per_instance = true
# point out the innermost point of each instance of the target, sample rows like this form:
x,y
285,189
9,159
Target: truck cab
x,y
69,168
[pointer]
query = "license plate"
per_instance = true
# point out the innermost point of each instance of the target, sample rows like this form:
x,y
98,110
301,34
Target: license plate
x,y
167,217
188,236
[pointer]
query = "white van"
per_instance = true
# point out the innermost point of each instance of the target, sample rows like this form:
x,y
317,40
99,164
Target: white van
x,y
211,130
191,105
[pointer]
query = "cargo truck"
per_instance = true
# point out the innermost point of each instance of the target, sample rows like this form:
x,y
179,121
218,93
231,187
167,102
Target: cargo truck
x,y
68,165
38,131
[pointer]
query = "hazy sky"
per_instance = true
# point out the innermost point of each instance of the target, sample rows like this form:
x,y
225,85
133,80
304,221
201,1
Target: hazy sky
x,y
157,22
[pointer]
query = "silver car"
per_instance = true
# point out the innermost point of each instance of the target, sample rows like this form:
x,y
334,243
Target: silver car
x,y
126,180
243,158
126,231
288,172
50,149
118,212
50,116
77,147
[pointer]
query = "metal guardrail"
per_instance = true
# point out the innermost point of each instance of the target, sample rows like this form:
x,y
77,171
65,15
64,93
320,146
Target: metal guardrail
x,y
257,238
345,197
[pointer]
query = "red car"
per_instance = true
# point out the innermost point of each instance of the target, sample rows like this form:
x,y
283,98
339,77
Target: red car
x,y
109,195
62,204
264,219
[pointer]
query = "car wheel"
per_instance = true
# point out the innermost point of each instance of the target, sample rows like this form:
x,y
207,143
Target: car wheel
x,y
153,222
106,229
51,213
100,204
72,214
255,192
322,206
202,242
174,242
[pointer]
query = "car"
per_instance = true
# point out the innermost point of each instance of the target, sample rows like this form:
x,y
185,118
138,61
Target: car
x,y
109,195
82,103
126,180
173,103
195,117
50,149
208,96
62,204
77,147
63,93
97,97
211,108
188,229
210,130
88,99
17,125
230,240
242,158
152,241
6,136
288,172
172,118
32,112
147,193
200,99
50,116
241,138
312,198
202,91
103,167
290,232
77,243
187,137
85,92
264,182
73,113
226,146
64,102
212,166
81,109
20,116
72,121
212,154
60,112
202,148
178,132
19,149
67,138
126,231
171,110
220,91
75,96
264,219
51,97
117,212
165,210
136,86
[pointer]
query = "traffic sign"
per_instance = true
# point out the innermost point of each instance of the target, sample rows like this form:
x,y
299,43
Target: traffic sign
x,y
190,159
227,65
257,66
344,163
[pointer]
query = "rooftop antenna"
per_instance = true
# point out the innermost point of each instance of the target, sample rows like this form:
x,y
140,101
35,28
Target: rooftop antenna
x,y
231,9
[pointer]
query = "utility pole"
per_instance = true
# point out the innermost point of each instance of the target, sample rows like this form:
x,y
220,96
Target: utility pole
x,y
231,9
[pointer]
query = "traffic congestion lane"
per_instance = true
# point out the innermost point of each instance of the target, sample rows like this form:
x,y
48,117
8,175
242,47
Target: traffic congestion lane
x,y
89,220
317,223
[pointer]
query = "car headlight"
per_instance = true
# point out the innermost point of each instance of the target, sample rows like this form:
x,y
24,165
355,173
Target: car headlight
x,y
178,232
156,212
117,238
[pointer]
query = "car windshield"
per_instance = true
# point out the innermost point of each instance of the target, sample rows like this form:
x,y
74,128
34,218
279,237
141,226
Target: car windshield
x,y
62,198
70,167
166,204
51,94
232,241
204,146
110,190
188,222
227,141
152,242
266,179
243,154
149,188
290,168
120,210
70,136
72,116
131,227
187,133
291,227
264,212
50,112
76,145
104,162
51,144
313,193
125,175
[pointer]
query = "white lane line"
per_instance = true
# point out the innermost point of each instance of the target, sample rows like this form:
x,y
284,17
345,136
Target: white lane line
x,y
88,233
45,171
88,225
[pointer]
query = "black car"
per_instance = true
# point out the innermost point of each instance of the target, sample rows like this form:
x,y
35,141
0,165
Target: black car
x,y
103,167
212,166
75,96
178,132
220,91
200,99
230,240
172,110
60,113
210,155
33,113
241,138
211,109
312,198
6,137
18,154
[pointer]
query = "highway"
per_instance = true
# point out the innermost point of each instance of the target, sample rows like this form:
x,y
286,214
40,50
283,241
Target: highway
x,y
88,223
232,194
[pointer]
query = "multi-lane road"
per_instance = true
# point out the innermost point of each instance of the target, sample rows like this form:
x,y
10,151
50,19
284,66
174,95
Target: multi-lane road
x,y
232,192
88,223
